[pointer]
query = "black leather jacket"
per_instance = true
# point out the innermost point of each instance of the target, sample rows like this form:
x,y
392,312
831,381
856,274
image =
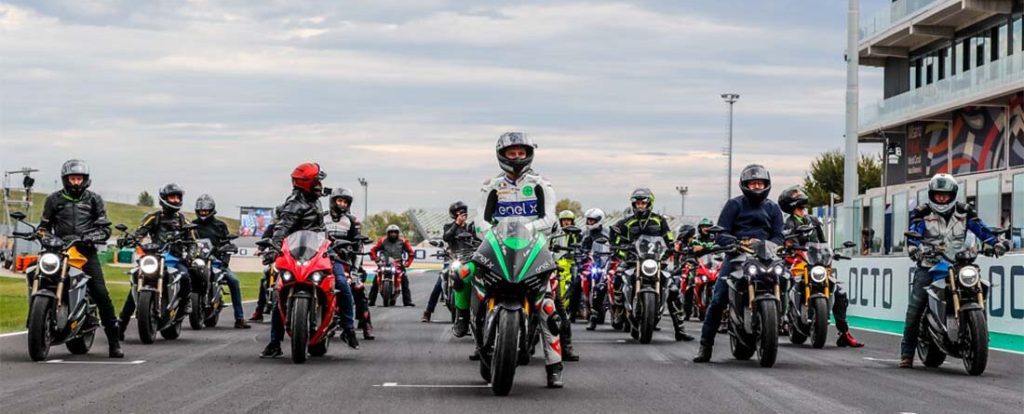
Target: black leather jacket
x,y
85,216
162,226
301,211
452,233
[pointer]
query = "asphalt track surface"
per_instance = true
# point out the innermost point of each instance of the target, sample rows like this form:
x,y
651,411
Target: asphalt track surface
x,y
419,368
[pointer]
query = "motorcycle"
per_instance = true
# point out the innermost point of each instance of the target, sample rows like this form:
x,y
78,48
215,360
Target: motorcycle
x,y
754,301
955,323
645,296
810,293
305,286
155,282
209,279
60,309
512,268
389,279
453,262
595,281
702,271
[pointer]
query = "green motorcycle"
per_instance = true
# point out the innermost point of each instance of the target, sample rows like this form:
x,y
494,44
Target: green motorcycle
x,y
512,271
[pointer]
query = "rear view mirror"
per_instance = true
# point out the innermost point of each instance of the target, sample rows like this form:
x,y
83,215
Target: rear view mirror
x,y
17,215
335,235
121,227
601,240
572,230
436,243
232,236
849,244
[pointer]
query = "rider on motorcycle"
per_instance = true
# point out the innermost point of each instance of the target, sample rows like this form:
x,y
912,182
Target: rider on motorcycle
x,y
749,216
595,228
793,201
945,220
208,227
76,211
645,222
566,270
345,223
160,225
300,211
397,248
459,213
520,194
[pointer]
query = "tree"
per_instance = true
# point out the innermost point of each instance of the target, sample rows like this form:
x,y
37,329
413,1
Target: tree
x,y
145,200
375,225
826,176
569,204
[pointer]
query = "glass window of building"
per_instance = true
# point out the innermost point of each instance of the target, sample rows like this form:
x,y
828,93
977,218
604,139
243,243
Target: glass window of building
x,y
943,63
961,194
922,196
981,46
989,201
855,227
1018,35
1017,212
877,224
959,58
1002,45
900,221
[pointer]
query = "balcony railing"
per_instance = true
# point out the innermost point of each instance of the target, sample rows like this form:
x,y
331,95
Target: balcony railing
x,y
967,86
888,16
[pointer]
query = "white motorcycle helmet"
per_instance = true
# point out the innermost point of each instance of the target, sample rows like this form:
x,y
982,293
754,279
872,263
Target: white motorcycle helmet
x,y
942,184
596,215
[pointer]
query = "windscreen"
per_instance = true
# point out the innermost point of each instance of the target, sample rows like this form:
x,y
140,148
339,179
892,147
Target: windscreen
x,y
303,245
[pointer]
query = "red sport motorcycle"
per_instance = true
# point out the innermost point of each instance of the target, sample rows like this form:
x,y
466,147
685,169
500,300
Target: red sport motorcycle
x,y
305,288
390,273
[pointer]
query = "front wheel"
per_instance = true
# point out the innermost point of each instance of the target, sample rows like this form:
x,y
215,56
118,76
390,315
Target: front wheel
x,y
975,342
82,344
930,353
40,324
506,351
300,329
768,338
215,306
387,292
146,316
819,322
195,319
650,318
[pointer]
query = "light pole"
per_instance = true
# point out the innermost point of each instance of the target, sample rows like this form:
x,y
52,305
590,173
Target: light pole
x,y
366,197
682,193
731,99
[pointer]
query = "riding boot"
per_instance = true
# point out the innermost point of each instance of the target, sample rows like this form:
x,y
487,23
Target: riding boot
x,y
703,354
113,342
554,375
461,327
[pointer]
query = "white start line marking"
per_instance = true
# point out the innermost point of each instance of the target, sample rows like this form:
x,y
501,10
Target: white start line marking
x,y
397,385
880,359
61,361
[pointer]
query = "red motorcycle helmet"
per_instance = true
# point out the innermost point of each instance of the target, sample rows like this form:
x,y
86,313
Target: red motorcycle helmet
x,y
308,176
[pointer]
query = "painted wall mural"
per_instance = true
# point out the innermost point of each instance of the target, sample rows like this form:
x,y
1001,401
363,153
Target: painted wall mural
x,y
978,139
927,149
1016,130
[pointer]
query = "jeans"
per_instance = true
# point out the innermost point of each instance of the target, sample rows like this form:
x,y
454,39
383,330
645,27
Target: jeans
x,y
435,294
719,301
344,296
236,293
915,311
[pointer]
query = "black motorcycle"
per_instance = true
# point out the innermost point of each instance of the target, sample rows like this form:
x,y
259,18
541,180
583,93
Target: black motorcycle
x,y
60,309
955,323
155,283
754,301
208,280
453,260
645,294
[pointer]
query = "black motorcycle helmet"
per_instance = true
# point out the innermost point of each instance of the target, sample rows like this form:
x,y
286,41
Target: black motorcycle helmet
x,y
168,190
75,167
207,204
639,194
755,172
686,232
456,208
515,139
344,194
792,198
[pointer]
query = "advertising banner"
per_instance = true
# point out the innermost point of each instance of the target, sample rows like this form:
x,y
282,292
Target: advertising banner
x,y
253,221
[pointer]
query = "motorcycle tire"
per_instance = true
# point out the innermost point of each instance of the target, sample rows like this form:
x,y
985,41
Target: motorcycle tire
x,y
819,322
739,350
929,353
975,339
172,332
300,329
40,326
213,317
649,318
195,319
506,351
82,344
387,293
320,349
768,338
146,316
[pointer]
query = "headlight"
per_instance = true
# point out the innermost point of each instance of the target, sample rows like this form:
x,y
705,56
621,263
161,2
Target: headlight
x,y
198,263
649,267
969,276
149,265
778,270
317,277
751,270
286,275
49,263
818,274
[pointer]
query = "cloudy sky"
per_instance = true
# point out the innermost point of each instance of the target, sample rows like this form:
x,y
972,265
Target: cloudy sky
x,y
227,97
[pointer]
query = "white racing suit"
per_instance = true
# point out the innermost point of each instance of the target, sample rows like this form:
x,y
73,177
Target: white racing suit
x,y
531,200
